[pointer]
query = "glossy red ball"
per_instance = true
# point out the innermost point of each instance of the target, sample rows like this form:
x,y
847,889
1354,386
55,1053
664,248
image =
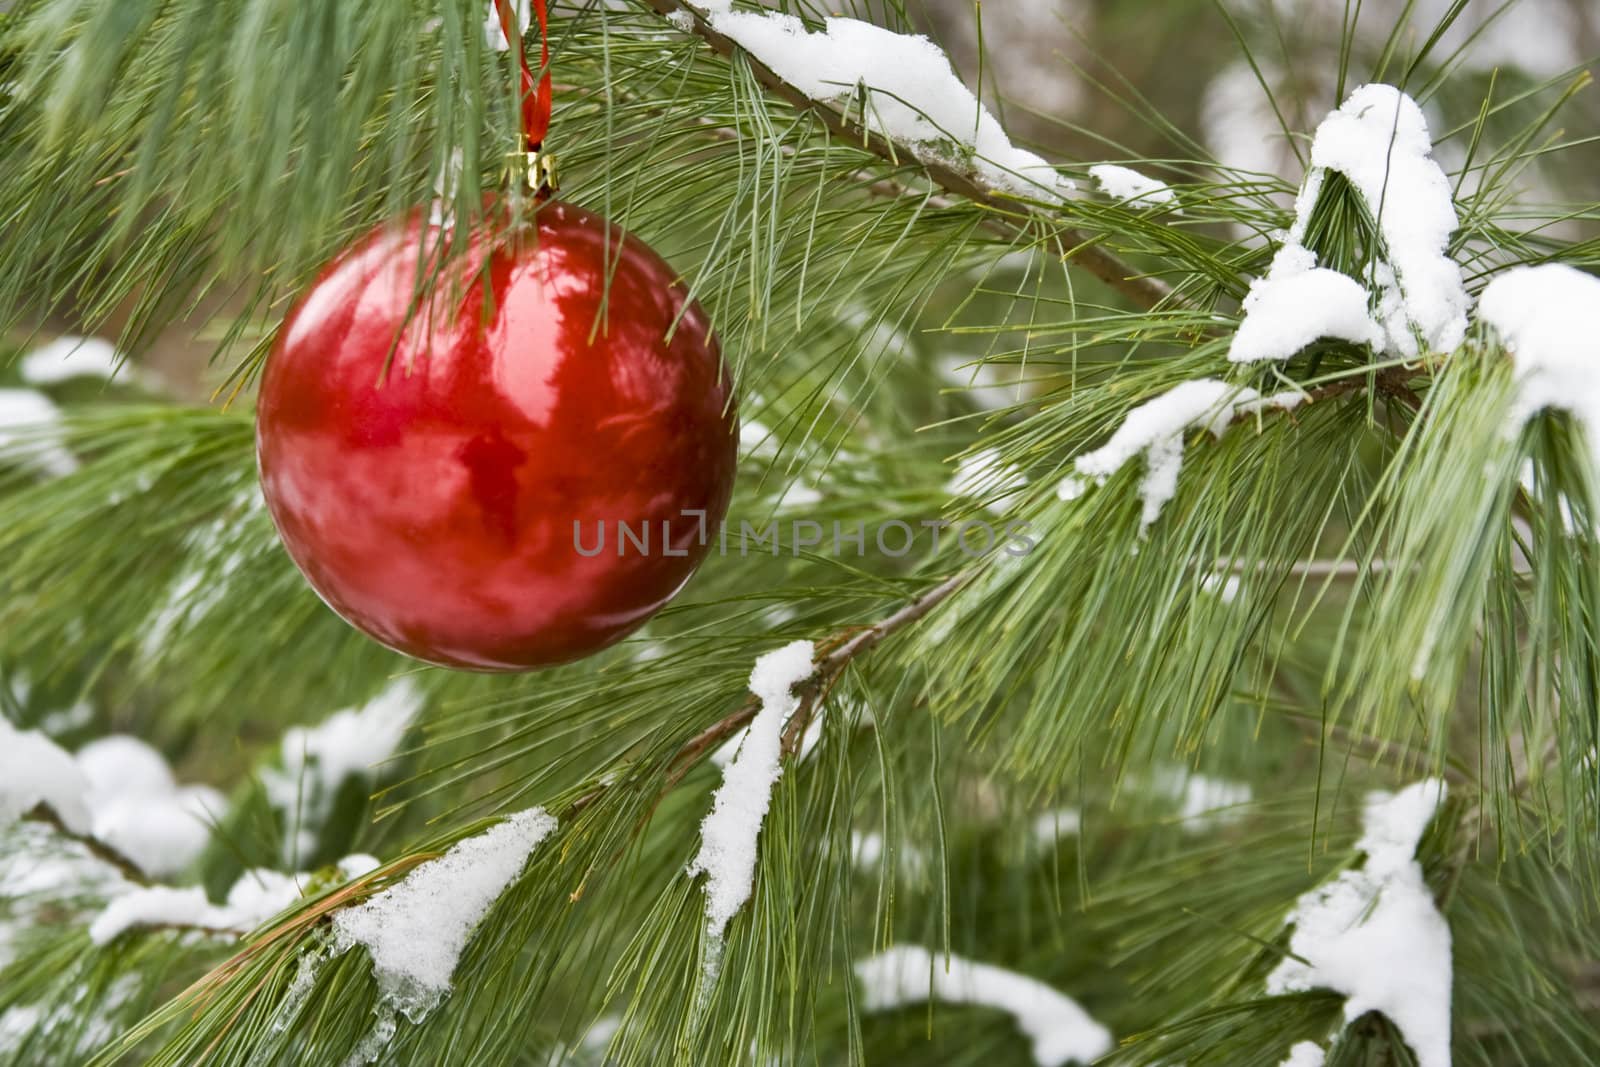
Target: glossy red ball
x,y
441,473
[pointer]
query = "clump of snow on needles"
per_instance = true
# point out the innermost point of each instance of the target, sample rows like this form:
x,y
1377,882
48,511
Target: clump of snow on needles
x,y
318,760
1548,318
1155,430
257,896
30,433
982,475
35,770
1375,935
416,929
729,833
1286,311
914,96
1059,1029
1304,1054
1378,139
138,809
69,357
1125,183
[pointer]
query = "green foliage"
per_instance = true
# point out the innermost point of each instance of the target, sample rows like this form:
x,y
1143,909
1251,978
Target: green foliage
x,y
1342,597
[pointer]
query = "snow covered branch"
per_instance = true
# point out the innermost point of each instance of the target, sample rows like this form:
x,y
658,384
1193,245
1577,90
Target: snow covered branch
x,y
1005,212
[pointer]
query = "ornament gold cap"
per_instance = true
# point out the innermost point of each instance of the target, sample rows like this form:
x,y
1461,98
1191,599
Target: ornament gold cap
x,y
535,170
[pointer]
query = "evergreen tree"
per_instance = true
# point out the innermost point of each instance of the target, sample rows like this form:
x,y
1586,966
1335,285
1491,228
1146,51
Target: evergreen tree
x,y
1235,701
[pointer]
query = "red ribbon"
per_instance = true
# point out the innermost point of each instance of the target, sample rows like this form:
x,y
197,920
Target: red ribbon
x,y
535,101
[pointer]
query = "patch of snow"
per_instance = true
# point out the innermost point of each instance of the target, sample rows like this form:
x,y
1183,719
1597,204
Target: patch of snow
x,y
257,896
35,770
357,864
138,809
29,433
1413,301
1548,318
1125,183
1375,935
1304,1054
1208,801
867,852
1071,488
798,495
1059,1029
1285,312
1379,140
318,760
416,930
913,95
1225,587
729,833
983,475
1051,826
1155,430
66,358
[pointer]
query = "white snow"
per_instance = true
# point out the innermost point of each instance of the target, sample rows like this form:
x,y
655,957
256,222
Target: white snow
x,y
69,357
798,496
867,851
415,930
1304,1054
35,770
1206,801
1548,318
983,475
914,96
317,760
1051,826
1378,139
1125,183
1285,312
1155,429
1060,1030
726,752
122,765
728,835
137,808
1374,934
257,896
494,35
1070,488
28,433
1225,587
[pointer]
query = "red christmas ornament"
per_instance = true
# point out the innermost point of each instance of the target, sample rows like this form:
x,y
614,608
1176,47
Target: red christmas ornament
x,y
429,467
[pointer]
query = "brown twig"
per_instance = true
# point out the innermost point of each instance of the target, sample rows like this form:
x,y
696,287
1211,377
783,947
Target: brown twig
x,y
1006,214
44,813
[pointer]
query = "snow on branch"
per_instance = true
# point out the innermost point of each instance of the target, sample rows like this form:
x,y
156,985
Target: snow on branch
x,y
1548,318
1127,184
416,930
1374,933
906,88
729,833
1378,139
138,808
1060,1030
30,434
987,170
1155,430
35,770
1304,1054
318,760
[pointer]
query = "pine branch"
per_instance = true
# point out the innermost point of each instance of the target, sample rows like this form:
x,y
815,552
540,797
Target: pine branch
x,y
1004,214
44,813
